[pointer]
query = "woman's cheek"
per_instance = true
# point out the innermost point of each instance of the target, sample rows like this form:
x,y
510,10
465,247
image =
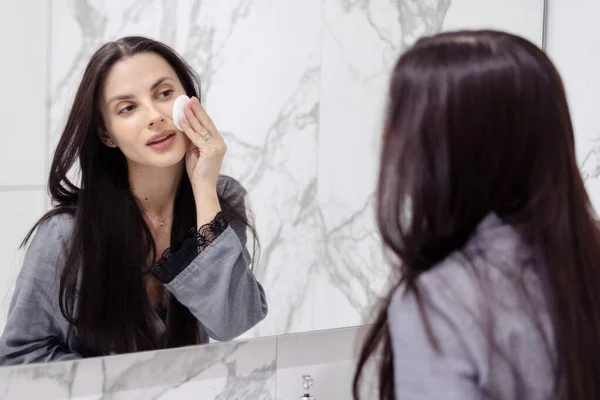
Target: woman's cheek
x,y
128,129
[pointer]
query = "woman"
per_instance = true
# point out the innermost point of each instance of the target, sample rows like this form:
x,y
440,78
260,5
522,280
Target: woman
x,y
92,282
481,200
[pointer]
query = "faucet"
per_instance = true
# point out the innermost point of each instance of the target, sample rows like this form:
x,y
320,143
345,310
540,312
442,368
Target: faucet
x,y
307,382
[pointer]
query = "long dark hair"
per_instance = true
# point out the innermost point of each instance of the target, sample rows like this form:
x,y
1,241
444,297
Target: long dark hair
x,y
102,292
478,122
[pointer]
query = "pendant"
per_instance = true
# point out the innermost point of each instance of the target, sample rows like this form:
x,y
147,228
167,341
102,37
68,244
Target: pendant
x,y
161,223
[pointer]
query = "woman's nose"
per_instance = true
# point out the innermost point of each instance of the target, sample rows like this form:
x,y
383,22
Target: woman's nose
x,y
155,118
155,121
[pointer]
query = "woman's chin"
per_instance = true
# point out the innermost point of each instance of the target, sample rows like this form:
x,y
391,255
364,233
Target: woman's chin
x,y
168,161
165,160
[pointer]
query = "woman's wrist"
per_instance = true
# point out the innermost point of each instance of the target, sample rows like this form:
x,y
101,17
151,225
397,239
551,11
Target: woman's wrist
x,y
207,203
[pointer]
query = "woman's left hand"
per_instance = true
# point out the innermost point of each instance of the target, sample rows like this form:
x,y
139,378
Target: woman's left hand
x,y
205,156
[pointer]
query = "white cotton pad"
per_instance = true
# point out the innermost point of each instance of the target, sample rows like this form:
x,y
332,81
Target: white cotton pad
x,y
178,106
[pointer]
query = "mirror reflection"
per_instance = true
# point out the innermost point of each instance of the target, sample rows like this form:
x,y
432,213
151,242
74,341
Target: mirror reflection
x,y
254,216
148,249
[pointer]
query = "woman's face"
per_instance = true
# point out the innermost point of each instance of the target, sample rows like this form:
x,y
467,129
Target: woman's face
x,y
137,107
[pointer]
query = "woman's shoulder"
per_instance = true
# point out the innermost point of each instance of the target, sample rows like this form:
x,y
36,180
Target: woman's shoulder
x,y
55,228
46,250
494,255
61,223
485,309
482,280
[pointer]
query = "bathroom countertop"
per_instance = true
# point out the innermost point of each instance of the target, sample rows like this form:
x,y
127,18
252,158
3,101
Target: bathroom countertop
x,y
260,368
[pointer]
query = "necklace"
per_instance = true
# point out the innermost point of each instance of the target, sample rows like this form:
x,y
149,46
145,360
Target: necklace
x,y
159,220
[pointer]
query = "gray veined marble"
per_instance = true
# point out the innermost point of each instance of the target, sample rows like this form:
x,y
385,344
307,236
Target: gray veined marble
x,y
590,166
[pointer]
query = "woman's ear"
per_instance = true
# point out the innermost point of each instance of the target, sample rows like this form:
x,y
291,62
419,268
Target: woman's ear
x,y
106,139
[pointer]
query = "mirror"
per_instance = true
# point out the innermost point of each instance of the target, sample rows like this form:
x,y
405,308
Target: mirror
x,y
296,88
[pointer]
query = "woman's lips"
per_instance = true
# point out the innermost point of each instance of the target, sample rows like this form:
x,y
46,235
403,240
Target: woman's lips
x,y
162,144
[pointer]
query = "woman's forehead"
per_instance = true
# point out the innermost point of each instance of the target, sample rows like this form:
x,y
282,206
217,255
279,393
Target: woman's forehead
x,y
137,73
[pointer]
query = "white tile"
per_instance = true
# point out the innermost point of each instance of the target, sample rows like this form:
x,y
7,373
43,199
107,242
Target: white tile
x,y
18,212
23,103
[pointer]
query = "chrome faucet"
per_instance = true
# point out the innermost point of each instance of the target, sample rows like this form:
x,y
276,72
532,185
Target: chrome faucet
x,y
307,382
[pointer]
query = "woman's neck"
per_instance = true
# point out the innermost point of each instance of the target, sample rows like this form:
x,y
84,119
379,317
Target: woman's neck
x,y
155,188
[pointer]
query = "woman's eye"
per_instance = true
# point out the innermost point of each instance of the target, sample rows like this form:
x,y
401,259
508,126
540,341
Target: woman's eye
x,y
126,110
166,93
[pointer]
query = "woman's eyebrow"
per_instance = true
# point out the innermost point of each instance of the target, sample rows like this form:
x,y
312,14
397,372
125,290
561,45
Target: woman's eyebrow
x,y
156,84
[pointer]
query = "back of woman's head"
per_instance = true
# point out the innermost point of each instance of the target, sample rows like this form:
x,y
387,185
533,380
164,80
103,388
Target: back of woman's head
x,y
478,123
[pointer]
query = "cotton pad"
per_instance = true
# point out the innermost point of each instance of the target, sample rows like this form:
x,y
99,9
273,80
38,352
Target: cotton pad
x,y
178,106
